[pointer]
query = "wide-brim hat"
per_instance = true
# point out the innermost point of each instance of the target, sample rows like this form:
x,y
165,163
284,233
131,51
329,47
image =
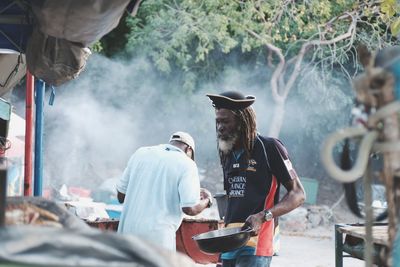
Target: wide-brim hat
x,y
232,100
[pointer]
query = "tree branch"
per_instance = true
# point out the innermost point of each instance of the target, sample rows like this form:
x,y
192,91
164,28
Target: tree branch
x,y
135,8
296,70
278,70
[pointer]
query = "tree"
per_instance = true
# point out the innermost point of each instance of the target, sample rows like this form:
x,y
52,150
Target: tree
x,y
290,35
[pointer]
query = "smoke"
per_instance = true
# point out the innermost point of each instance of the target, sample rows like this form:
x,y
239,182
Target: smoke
x,y
111,109
321,105
114,107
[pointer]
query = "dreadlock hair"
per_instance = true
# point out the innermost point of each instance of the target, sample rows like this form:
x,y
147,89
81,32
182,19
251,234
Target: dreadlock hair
x,y
248,131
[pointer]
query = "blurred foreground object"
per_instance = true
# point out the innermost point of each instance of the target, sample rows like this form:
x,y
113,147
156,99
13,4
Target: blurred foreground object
x,y
378,90
40,212
55,36
75,244
44,246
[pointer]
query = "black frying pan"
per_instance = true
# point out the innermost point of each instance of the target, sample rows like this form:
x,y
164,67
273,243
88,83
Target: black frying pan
x,y
222,240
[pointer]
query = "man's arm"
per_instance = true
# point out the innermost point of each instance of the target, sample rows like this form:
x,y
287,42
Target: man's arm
x,y
205,202
294,197
121,197
122,184
192,211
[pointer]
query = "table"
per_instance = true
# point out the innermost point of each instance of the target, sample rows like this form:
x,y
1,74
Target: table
x,y
353,244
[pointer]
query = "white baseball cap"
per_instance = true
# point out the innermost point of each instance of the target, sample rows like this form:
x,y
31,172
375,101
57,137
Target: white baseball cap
x,y
184,138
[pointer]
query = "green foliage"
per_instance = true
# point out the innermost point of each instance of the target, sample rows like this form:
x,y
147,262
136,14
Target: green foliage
x,y
114,42
391,9
184,33
96,47
174,36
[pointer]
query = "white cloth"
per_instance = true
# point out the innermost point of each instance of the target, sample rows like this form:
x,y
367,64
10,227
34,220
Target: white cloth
x,y
158,181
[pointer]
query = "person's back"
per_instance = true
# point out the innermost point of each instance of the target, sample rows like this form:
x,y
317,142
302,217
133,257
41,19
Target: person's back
x,y
158,182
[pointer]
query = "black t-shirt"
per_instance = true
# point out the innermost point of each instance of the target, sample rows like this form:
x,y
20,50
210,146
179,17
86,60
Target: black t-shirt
x,y
253,185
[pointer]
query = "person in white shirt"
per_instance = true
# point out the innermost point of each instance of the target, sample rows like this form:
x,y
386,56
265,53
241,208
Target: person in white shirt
x,y
159,185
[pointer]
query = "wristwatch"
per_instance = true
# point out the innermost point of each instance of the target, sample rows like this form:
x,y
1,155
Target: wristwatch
x,y
268,215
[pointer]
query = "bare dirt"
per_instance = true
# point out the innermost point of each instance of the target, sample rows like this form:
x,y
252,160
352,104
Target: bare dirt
x,y
315,246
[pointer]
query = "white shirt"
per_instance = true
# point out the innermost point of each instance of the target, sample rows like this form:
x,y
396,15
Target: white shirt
x,y
158,181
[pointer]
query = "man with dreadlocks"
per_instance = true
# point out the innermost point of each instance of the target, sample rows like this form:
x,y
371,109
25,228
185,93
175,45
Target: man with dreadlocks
x,y
254,167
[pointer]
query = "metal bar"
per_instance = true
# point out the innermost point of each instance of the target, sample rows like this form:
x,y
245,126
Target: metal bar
x,y
11,41
13,19
3,190
338,246
38,173
7,7
368,252
23,5
28,134
38,170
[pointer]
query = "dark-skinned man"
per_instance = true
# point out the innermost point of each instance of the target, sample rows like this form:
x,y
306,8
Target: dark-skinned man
x,y
254,167
159,185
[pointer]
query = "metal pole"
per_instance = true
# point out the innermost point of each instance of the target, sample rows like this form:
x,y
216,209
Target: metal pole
x,y
28,134
38,174
3,190
368,252
338,246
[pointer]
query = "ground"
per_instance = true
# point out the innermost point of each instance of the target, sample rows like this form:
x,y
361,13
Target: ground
x,y
314,246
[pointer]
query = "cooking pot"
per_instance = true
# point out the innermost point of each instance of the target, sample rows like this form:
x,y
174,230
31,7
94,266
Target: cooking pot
x,y
222,240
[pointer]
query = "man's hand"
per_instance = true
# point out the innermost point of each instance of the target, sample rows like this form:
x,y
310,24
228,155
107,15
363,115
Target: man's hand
x,y
205,194
254,222
121,197
205,202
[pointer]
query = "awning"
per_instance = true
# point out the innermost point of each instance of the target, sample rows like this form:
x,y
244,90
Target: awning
x,y
63,29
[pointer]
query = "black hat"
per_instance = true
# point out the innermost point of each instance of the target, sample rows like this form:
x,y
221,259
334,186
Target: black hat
x,y
232,100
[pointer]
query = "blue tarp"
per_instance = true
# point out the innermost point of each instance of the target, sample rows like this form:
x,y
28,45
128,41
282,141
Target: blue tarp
x,y
15,25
